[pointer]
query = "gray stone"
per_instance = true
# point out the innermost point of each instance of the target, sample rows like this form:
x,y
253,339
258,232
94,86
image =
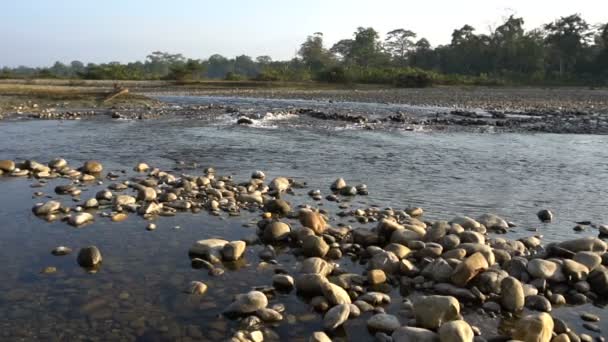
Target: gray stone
x,y
456,331
432,311
89,257
383,322
336,316
247,303
512,294
413,334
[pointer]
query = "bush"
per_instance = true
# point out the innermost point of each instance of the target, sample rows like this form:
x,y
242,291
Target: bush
x,y
233,76
418,79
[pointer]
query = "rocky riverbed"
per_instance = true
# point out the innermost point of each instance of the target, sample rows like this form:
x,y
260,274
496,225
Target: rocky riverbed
x,y
453,109
188,253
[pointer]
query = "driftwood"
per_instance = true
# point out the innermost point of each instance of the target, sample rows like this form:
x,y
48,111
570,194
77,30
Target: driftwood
x,y
117,92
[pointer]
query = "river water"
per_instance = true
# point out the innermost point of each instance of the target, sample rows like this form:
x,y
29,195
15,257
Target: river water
x,y
137,293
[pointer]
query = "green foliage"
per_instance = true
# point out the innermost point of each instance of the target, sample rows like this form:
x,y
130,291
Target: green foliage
x,y
566,51
233,76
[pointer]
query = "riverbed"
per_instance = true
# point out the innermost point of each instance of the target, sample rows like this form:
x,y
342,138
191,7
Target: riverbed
x,y
138,292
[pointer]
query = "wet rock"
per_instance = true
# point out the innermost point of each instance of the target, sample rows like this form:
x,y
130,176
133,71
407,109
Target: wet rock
x,y
150,208
439,270
538,303
590,244
574,271
598,280
105,195
456,331
91,203
47,208
545,215
413,334
269,315
375,298
585,316
61,250
535,327
335,294
283,282
279,184
383,322
492,221
312,220
317,266
119,217
319,336
276,231
146,194
466,222
247,303
141,167
89,257
385,261
468,269
196,288
511,294
7,165
277,206
338,184
454,291
375,277
92,167
314,246
432,311
124,200
208,249
81,219
336,316
545,269
233,250
310,283
589,259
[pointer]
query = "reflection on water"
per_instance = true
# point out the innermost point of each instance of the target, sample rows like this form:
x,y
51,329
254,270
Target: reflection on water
x,y
138,292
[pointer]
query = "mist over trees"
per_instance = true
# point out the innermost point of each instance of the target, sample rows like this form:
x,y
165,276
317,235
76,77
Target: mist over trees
x,y
566,51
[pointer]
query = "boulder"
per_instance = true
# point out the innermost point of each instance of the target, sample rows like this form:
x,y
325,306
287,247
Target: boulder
x,y
316,265
313,220
590,244
545,215
335,294
7,165
247,303
208,249
89,257
466,222
47,208
468,269
279,184
432,311
336,316
80,219
413,334
385,261
233,250
512,294
277,206
545,269
598,280
383,322
310,284
535,327
492,221
276,231
314,246
574,271
456,331
92,167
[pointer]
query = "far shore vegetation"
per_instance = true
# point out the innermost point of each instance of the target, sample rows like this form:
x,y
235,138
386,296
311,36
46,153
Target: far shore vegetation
x,y
568,51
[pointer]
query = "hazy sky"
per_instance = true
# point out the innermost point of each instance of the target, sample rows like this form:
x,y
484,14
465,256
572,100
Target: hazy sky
x,y
39,32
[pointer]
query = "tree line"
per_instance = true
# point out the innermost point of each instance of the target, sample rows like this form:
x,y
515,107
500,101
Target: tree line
x,y
568,50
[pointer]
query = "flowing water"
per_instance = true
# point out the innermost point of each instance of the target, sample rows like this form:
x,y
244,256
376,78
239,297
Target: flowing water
x,y
137,293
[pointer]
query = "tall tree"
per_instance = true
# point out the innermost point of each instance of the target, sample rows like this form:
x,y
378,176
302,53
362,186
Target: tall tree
x,y
314,55
367,50
399,43
567,37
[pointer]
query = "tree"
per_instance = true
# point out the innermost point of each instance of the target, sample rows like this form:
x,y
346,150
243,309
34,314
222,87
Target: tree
x,y
219,66
313,53
567,37
366,50
399,43
342,49
423,56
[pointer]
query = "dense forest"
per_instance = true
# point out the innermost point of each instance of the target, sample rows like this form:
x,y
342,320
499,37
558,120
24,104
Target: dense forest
x,y
566,51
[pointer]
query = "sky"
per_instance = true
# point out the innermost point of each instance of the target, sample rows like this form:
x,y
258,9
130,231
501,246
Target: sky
x,y
40,32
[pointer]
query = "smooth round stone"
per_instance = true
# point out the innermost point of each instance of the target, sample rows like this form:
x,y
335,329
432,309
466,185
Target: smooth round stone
x,y
61,250
383,322
89,256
